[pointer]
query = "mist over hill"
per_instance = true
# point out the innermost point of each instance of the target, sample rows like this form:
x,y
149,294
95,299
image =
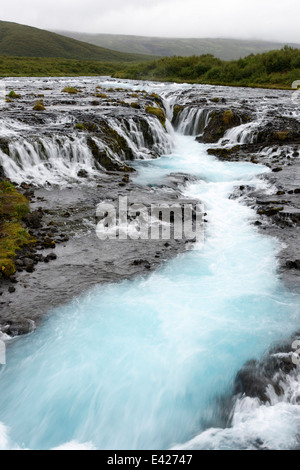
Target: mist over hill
x,y
225,49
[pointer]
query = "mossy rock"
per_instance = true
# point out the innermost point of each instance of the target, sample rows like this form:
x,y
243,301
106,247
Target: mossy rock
x,y
281,135
71,90
228,117
219,122
135,105
7,267
104,159
13,95
13,205
271,211
158,112
177,110
39,106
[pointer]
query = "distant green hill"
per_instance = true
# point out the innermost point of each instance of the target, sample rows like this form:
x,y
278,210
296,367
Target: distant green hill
x,y
225,49
24,41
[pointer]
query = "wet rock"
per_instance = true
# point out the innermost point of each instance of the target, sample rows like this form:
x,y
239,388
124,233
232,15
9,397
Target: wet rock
x,y
11,289
33,219
139,262
220,121
30,269
2,174
293,264
27,262
52,256
82,174
277,169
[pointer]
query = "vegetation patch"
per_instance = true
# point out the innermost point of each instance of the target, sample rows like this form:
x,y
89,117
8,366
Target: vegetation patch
x,y
135,105
71,90
13,95
228,117
158,112
274,69
39,106
282,136
79,126
13,236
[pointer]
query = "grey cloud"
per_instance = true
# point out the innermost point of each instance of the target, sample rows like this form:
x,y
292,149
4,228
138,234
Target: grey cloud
x,y
262,19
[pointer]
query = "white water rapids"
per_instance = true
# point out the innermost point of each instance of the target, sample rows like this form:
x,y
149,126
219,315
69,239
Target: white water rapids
x,y
140,364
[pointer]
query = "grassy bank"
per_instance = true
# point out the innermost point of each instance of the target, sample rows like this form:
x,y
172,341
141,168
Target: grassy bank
x,y
13,236
45,67
274,69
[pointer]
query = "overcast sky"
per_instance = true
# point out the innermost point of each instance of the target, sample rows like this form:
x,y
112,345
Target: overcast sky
x,y
261,19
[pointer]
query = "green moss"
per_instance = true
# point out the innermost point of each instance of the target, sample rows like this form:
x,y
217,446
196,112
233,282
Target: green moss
x,y
135,105
282,136
7,267
177,110
71,90
158,112
13,206
39,106
228,117
13,95
100,95
79,126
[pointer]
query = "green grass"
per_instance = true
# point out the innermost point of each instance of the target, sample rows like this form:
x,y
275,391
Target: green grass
x,y
274,69
13,206
48,67
18,40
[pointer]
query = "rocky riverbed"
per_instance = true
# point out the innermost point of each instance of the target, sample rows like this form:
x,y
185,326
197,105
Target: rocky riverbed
x,y
87,135
79,147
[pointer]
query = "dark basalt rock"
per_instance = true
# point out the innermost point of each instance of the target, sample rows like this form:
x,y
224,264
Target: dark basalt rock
x,y
104,160
255,376
4,146
82,174
220,121
293,264
33,219
2,174
278,131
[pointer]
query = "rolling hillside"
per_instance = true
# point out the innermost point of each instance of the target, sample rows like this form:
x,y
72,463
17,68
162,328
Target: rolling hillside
x,y
225,49
24,41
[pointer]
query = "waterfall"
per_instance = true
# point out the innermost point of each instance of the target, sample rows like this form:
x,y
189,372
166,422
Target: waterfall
x,y
48,159
243,134
57,158
192,121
